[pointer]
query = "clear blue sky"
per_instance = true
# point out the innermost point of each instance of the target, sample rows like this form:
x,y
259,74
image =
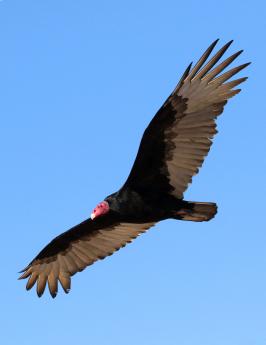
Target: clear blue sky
x,y
79,82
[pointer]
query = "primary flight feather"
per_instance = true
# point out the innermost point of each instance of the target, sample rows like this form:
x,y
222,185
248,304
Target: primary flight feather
x,y
171,151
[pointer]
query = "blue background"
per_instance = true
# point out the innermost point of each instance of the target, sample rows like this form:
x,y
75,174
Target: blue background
x,y
80,80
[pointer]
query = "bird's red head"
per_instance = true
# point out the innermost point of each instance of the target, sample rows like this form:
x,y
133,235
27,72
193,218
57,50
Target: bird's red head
x,y
100,209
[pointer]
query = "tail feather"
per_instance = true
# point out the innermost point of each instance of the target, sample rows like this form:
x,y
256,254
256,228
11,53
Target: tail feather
x,y
197,211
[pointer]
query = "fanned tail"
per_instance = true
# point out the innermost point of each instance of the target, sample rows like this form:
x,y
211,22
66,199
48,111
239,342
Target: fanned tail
x,y
197,211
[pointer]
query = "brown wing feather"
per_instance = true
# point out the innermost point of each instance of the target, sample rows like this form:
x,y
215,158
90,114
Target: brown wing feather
x,y
205,99
77,254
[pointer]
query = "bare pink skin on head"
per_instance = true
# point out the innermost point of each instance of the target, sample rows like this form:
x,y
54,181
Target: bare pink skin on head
x,y
101,209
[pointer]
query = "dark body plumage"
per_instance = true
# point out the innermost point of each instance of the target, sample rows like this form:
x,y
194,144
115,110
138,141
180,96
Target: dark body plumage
x,y
172,149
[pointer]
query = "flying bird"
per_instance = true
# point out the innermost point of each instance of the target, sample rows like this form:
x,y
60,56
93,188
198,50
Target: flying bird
x,y
172,149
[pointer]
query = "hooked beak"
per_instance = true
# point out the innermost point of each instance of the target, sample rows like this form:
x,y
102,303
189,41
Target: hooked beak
x,y
93,215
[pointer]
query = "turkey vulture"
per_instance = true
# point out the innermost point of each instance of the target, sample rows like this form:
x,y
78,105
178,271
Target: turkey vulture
x,y
172,149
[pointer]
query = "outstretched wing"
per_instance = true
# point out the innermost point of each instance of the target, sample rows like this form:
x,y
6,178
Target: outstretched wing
x,y
179,137
76,249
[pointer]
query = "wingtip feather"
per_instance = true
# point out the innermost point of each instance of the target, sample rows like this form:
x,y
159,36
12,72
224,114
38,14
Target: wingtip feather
x,y
212,61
